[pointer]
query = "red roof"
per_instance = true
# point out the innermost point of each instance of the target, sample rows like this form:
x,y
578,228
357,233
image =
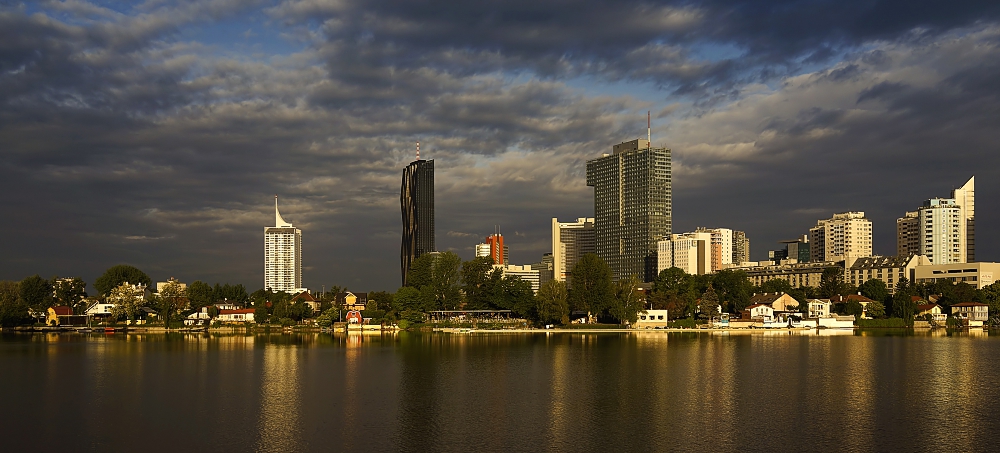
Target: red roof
x,y
63,310
305,297
916,298
756,305
237,312
926,307
969,304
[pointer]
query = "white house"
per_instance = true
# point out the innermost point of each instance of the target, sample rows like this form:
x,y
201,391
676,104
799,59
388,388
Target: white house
x,y
759,312
651,319
819,308
238,316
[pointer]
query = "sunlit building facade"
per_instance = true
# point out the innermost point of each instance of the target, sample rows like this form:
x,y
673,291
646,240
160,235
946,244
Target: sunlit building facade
x,y
282,255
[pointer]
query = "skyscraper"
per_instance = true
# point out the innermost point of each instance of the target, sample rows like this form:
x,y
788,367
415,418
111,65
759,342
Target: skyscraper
x,y
632,206
570,241
282,255
741,247
942,222
908,234
965,197
494,248
416,201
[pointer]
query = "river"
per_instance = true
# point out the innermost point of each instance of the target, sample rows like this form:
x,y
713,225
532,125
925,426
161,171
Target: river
x,y
554,391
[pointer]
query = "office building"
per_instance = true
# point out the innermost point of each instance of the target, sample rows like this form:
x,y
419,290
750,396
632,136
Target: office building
x,y
846,236
526,273
941,227
545,268
690,252
632,206
908,234
416,201
795,249
721,247
570,241
741,248
282,255
979,275
494,248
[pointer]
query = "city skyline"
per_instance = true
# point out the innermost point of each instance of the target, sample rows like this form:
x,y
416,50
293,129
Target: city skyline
x,y
150,134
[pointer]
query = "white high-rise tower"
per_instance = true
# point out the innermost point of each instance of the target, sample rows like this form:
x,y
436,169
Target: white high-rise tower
x,y
282,255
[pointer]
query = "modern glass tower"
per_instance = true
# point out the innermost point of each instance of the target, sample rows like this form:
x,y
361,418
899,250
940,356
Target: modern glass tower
x,y
416,200
632,207
282,255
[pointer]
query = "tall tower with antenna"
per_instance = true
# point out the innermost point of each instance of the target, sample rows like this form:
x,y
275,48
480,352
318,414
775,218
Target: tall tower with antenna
x,y
282,255
416,202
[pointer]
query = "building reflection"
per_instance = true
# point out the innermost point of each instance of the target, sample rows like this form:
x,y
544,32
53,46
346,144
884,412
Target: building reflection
x,y
278,427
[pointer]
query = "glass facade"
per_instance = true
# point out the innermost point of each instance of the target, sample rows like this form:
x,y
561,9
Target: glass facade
x,y
416,201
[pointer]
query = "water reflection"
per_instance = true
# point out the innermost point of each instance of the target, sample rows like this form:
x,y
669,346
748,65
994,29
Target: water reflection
x,y
278,428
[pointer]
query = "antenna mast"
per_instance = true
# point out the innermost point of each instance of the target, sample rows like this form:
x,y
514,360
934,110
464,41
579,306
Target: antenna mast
x,y
418,150
649,132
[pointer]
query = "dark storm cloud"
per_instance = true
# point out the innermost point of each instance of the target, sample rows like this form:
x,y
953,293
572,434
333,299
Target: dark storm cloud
x,y
124,142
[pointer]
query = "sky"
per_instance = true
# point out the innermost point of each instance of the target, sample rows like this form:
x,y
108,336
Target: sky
x,y
157,133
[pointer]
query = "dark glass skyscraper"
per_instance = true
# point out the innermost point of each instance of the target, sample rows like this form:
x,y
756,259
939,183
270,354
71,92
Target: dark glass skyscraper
x,y
416,200
632,207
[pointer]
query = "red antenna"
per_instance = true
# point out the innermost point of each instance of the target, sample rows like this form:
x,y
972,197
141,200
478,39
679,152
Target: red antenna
x,y
418,150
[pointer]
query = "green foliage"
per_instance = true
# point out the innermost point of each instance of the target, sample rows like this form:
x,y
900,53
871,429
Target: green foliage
x,y
411,316
552,303
519,298
776,285
832,283
70,292
170,299
380,300
887,323
683,323
200,294
13,310
477,279
902,306
437,277
36,293
673,290
876,309
407,298
627,302
733,288
708,304
874,289
590,285
116,275
127,300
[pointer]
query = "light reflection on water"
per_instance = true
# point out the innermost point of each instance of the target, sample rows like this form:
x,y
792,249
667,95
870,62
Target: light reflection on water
x,y
649,391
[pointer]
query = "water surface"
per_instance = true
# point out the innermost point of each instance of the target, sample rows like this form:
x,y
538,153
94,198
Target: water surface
x,y
500,392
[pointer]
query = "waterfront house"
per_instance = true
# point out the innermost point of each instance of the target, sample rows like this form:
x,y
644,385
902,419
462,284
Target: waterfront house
x,y
100,310
780,302
198,318
63,316
972,314
651,319
239,315
937,315
308,299
352,301
759,312
819,308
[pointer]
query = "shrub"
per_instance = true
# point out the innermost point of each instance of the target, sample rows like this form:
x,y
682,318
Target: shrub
x,y
888,323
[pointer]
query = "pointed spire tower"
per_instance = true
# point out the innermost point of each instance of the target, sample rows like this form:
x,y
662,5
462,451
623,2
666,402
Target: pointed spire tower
x,y
282,255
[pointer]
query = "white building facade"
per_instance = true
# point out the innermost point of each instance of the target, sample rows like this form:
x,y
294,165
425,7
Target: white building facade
x,y
282,255
691,252
940,222
570,241
526,273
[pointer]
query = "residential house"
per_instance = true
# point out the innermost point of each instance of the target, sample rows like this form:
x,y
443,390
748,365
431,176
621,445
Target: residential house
x,y
652,319
781,302
972,314
63,316
759,312
864,301
308,299
352,301
100,310
819,308
239,315
937,315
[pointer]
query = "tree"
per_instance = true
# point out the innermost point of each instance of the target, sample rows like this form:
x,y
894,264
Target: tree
x,y
832,282
776,285
200,294
475,276
708,305
874,289
902,305
421,271
518,297
380,300
626,304
127,299
116,275
672,280
552,303
70,292
171,299
445,281
991,296
733,288
407,298
13,310
36,293
876,309
590,285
